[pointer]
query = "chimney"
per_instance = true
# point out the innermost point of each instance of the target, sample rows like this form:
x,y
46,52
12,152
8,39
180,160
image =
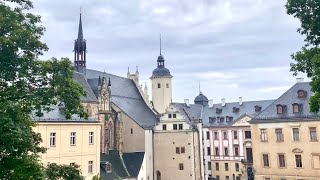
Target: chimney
x,y
223,102
210,103
186,101
240,101
299,80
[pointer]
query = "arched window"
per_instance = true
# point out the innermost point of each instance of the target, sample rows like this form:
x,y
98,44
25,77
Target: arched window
x,y
158,175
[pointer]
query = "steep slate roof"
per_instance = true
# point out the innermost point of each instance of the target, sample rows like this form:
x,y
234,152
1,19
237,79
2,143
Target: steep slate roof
x,y
133,162
118,168
288,98
57,115
126,96
90,97
196,111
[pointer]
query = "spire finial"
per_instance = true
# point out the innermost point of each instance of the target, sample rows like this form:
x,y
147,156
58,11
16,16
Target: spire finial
x,y
80,31
199,87
80,10
160,44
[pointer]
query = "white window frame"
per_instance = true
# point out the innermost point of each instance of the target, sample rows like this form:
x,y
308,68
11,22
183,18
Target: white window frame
x,y
90,167
91,138
52,139
73,138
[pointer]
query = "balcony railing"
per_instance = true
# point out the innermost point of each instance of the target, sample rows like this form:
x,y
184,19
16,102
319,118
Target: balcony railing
x,y
247,161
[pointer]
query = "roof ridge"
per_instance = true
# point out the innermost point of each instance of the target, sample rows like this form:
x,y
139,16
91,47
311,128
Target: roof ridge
x,y
105,73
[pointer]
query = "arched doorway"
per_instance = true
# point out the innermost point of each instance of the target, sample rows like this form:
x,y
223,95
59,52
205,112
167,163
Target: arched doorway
x,y
158,175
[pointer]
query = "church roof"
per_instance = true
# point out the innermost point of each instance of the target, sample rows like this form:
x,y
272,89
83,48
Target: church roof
x,y
126,96
90,96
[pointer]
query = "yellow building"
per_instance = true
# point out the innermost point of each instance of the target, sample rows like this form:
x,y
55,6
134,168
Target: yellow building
x,y
286,146
70,141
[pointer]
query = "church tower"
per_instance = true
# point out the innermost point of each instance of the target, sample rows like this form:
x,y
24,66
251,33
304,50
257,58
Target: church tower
x,y
161,81
80,50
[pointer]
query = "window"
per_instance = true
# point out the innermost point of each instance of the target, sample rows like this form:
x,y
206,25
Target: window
x,y
298,161
215,135
90,167
164,127
169,115
174,115
90,137
247,134
180,126
313,134
159,86
216,151
236,151
266,178
295,108
131,131
52,139
226,166
180,166
209,165
183,149
167,85
108,167
283,179
235,134
263,134
279,134
177,150
175,127
316,161
282,161
217,166
208,151
237,167
225,135
72,164
295,134
208,135
73,138
227,177
226,152
217,177
265,160
279,109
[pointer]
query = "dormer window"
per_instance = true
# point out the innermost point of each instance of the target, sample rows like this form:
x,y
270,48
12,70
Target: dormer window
x,y
220,119
229,118
108,167
235,109
280,109
302,94
296,108
257,108
212,119
218,110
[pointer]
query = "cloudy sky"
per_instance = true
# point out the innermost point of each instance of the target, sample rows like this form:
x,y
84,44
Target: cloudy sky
x,y
233,47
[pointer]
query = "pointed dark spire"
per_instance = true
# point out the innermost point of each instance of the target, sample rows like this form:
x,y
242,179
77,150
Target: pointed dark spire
x,y
80,32
80,49
160,44
109,82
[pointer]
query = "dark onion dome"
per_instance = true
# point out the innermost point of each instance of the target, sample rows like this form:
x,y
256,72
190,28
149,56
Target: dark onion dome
x,y
160,70
201,99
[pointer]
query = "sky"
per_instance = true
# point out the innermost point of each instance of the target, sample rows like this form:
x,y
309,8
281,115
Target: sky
x,y
234,48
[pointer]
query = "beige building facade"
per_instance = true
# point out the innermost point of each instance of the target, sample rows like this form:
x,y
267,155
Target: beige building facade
x,y
69,142
177,147
287,143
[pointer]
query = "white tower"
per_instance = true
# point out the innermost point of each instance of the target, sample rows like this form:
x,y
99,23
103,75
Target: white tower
x,y
161,81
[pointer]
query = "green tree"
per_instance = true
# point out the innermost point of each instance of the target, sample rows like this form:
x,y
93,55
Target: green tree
x,y
307,60
27,86
63,172
97,177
